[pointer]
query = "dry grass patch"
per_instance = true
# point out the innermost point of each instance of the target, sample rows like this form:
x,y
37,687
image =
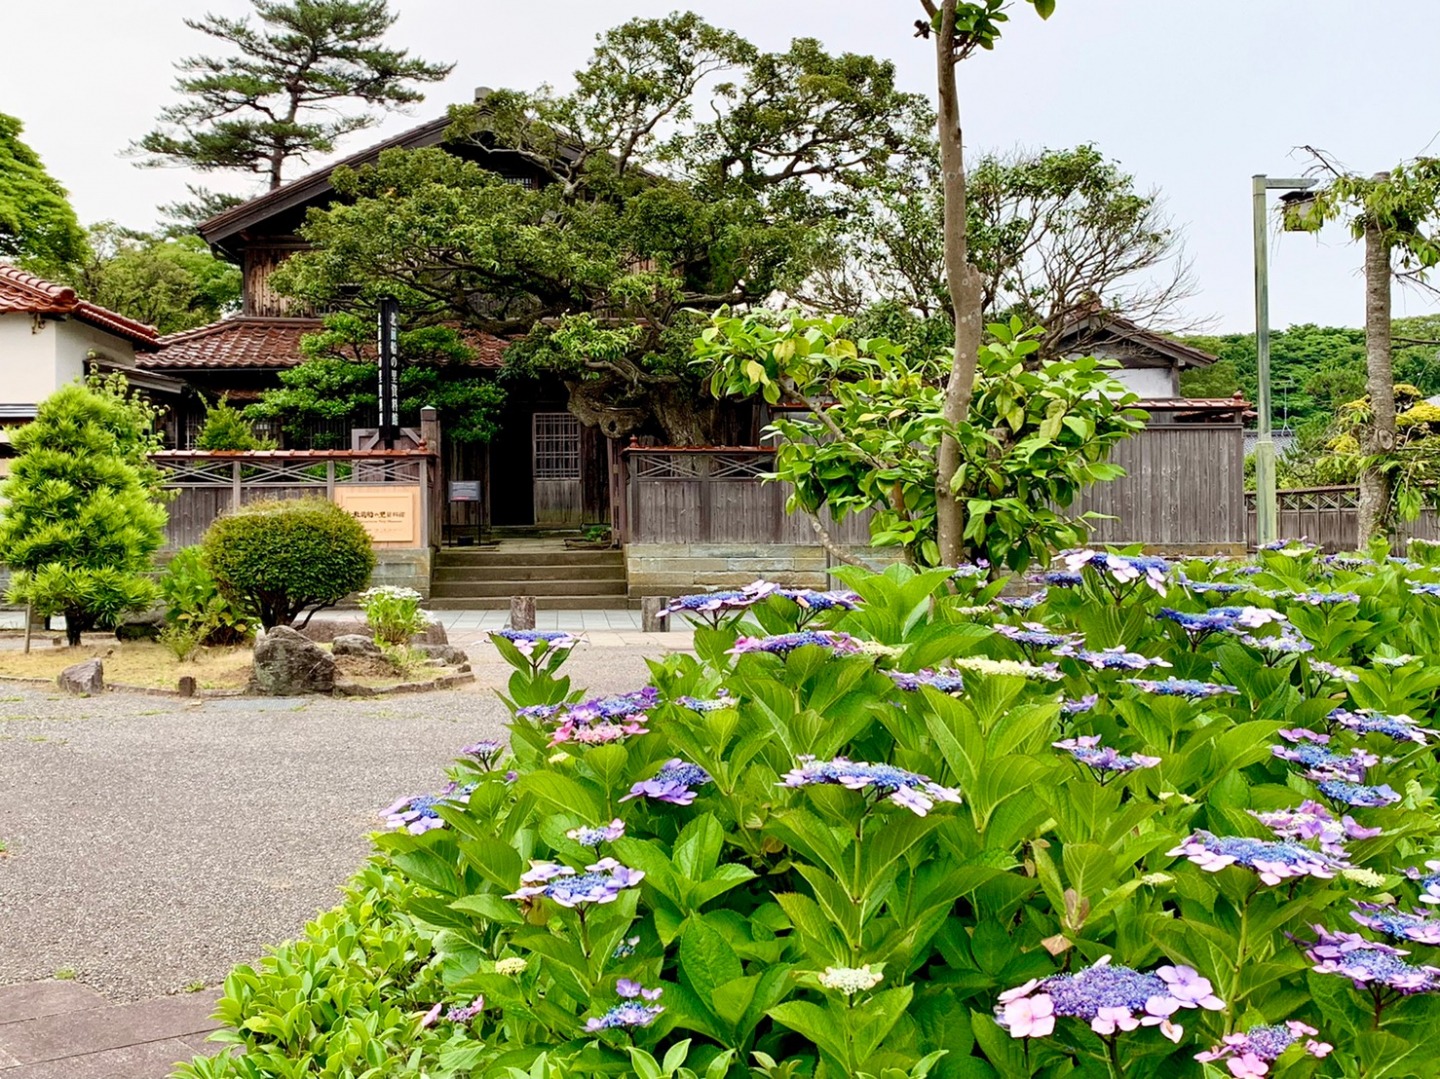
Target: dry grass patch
x,y
136,663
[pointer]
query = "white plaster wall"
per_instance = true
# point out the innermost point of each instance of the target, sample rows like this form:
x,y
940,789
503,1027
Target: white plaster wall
x,y
28,366
1148,382
77,340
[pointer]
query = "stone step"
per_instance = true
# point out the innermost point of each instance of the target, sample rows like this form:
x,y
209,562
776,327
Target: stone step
x,y
543,603
459,556
606,572
477,589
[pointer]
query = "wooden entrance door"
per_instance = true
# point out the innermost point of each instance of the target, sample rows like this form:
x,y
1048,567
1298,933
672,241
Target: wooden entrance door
x,y
556,468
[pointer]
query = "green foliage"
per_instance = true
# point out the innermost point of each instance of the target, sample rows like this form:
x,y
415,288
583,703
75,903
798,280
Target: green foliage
x,y
281,95
196,606
639,210
38,229
226,428
338,381
1034,438
135,426
393,614
183,639
172,283
79,525
287,557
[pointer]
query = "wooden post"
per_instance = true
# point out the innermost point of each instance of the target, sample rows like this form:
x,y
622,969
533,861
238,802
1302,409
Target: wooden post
x,y
522,612
433,481
29,625
650,620
330,479
235,485
187,685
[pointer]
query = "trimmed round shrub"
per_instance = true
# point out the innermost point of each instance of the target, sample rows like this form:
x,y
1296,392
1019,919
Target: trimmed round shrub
x,y
288,558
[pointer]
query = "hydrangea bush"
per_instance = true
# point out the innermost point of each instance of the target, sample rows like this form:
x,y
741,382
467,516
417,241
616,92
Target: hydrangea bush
x,y
1137,827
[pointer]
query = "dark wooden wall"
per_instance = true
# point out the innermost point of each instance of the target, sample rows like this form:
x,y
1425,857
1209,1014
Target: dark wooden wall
x,y
260,296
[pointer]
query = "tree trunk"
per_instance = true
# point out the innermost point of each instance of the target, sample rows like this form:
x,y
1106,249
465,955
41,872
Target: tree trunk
x,y
964,283
1373,506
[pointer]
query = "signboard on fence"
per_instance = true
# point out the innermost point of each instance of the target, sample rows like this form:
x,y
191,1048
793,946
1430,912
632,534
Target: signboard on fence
x,y
389,512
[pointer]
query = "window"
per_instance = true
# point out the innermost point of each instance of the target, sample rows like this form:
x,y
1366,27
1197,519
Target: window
x,y
557,446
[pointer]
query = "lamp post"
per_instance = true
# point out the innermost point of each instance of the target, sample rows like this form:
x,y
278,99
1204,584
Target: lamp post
x,y
1266,518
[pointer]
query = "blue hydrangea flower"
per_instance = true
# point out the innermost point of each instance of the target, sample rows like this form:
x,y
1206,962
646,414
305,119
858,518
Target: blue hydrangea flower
x,y
1104,762
486,752
1428,589
978,568
1079,705
1221,620
1181,687
783,644
1060,579
624,708
713,607
1369,964
1112,659
1250,1054
1271,861
626,1015
1120,569
1220,588
600,883
1024,603
1321,763
1390,921
946,680
1358,794
1312,821
1429,882
593,837
915,792
1034,635
419,813
1316,598
696,704
1330,670
671,784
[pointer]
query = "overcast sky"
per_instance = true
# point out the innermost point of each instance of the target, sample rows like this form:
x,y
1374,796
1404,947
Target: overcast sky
x,y
1191,97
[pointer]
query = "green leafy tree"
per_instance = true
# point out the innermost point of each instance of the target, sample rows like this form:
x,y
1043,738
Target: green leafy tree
x,y
172,283
226,428
38,228
282,95
79,525
338,381
641,210
876,416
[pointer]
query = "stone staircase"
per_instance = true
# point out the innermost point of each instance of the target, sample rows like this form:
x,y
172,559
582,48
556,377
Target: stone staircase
x,y
484,578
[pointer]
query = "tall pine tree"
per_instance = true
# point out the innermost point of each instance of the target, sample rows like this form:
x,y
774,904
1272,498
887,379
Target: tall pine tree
x,y
282,97
79,524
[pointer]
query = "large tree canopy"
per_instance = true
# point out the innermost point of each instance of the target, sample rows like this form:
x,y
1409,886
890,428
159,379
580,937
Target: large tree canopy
x,y
645,209
282,95
38,229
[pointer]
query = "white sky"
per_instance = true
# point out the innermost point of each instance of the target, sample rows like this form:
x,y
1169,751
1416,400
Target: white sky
x,y
1192,97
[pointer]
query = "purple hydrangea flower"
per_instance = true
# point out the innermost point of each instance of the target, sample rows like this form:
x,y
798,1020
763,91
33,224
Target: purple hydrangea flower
x,y
712,607
467,1013
1400,727
915,792
1121,569
629,1013
601,733
842,644
1282,644
527,640
1316,598
813,600
630,990
1358,794
1221,620
946,680
1110,998
1103,761
1079,705
1112,659
418,813
593,837
978,568
1320,763
1425,589
1389,920
600,883
1249,1055
539,711
1035,635
1429,882
1060,579
1329,670
1180,687
1369,964
1272,862
1220,588
627,709
1312,821
486,752
1023,603
671,784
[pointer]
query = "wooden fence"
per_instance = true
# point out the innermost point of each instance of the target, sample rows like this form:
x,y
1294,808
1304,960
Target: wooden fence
x,y
207,484
1326,515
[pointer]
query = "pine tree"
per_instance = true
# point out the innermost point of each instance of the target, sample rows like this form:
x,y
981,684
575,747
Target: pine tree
x,y
79,527
280,99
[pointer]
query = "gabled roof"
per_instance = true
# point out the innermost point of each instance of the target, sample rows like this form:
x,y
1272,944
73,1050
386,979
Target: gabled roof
x,y
253,343
24,293
1093,326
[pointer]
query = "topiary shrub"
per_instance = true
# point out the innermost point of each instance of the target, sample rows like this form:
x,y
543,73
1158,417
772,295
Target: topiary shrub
x,y
288,558
79,524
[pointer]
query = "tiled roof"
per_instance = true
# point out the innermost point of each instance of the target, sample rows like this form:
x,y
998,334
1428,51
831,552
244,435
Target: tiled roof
x,y
25,293
253,343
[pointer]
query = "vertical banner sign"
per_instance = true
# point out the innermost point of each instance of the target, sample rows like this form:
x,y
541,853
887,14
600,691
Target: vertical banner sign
x,y
389,370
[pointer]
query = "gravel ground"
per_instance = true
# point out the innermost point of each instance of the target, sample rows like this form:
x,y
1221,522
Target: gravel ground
x,y
153,843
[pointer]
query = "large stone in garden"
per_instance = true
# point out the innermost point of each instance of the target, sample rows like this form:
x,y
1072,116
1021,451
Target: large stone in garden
x,y
145,626
354,644
288,665
445,653
83,679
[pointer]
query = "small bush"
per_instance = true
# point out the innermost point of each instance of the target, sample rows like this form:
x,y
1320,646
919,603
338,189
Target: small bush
x,y
183,639
193,600
393,614
287,558
226,429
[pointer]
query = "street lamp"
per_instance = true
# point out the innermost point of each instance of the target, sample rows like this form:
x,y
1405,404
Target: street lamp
x,y
1266,518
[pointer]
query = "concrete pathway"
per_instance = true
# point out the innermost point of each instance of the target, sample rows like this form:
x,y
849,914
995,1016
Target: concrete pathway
x,y
65,1030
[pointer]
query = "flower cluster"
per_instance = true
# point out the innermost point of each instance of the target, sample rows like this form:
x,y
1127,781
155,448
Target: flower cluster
x,y
1400,728
1025,603
418,813
511,967
1321,763
712,606
1425,589
978,568
850,980
527,640
467,1013
1112,659
1387,919
1103,761
915,792
1181,687
1358,794
1035,635
1429,882
486,752
598,733
600,883
1221,620
842,644
671,784
629,1013
593,837
715,704
1312,821
1080,704
1272,862
1329,670
1284,643
1121,569
1048,672
1220,588
1324,599
1249,1055
945,680
1110,998
812,600
1369,964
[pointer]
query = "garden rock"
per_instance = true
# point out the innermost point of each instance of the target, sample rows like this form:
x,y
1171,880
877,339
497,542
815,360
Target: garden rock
x,y
140,627
83,679
445,653
354,644
288,665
